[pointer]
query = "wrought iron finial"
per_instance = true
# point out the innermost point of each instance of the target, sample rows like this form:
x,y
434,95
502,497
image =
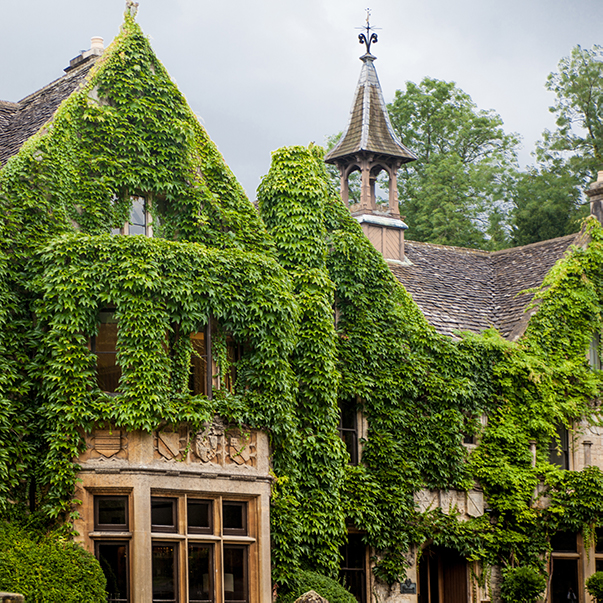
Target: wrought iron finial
x,y
370,36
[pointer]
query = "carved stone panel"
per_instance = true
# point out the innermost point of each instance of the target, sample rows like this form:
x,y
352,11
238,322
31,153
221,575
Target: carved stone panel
x,y
170,444
106,444
426,500
209,444
241,448
224,446
475,503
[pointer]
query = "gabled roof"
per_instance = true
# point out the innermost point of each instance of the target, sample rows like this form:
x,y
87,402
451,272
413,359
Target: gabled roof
x,y
369,128
19,121
470,290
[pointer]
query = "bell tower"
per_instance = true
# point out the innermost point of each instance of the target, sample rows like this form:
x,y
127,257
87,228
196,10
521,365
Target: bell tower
x,y
370,146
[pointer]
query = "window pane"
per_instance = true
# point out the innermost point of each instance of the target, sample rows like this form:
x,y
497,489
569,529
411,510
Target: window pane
x,y
198,515
111,511
163,514
564,583
198,377
599,543
348,415
164,572
564,542
113,559
353,572
235,573
234,517
138,214
200,573
106,340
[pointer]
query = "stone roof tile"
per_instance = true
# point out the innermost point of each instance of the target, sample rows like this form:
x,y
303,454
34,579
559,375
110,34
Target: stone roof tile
x,y
21,120
471,290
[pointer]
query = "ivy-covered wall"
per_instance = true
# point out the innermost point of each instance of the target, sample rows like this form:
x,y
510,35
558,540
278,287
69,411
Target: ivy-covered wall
x,y
322,321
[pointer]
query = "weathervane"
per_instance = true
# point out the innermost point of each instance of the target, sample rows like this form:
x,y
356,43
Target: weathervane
x,y
369,37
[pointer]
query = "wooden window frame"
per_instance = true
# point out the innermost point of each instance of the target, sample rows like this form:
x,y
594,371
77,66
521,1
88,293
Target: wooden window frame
x,y
245,548
217,538
103,527
353,431
196,529
121,542
236,531
170,529
177,577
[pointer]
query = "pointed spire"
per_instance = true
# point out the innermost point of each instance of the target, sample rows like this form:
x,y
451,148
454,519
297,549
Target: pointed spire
x,y
369,144
369,128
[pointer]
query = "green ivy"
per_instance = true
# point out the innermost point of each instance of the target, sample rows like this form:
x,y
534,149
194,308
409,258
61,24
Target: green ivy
x,y
322,322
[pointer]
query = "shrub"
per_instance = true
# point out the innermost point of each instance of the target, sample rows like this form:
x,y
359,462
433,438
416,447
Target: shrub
x,y
594,585
328,588
47,568
522,585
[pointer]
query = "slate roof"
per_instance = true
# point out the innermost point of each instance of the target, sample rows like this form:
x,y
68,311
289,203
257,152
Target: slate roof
x,y
19,121
369,128
470,290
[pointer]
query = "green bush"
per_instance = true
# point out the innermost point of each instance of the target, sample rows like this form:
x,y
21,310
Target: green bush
x,y
47,568
594,585
328,588
522,585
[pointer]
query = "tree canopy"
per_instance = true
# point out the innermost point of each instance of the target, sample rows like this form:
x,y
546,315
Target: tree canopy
x,y
456,192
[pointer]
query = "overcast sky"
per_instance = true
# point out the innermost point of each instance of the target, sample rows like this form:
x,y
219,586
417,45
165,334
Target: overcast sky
x,y
261,74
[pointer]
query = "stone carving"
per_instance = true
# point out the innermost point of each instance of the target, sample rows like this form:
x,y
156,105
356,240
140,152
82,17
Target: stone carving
x,y
426,500
221,445
475,503
466,503
170,444
106,444
208,443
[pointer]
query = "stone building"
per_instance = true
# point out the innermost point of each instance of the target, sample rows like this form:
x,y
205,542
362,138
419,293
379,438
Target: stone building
x,y
176,513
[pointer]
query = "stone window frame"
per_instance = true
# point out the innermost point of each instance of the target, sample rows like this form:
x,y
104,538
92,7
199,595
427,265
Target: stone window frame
x,y
219,538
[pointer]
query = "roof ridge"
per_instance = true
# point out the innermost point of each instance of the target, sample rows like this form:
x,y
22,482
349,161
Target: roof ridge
x,y
71,73
536,244
455,247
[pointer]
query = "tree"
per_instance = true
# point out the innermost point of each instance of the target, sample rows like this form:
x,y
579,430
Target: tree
x,y
456,192
547,204
549,200
578,140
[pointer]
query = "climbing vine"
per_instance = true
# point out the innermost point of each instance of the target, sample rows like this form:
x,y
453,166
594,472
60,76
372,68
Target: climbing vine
x,y
322,322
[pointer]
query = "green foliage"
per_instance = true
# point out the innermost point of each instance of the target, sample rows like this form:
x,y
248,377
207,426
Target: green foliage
x,y
326,587
548,199
46,568
594,586
322,320
546,204
463,172
522,585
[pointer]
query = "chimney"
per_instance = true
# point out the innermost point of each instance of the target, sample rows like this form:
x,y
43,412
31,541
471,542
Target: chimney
x,y
595,192
96,49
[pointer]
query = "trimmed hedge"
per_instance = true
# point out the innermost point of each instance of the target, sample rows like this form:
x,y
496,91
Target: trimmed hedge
x,y
522,585
47,568
326,587
594,586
